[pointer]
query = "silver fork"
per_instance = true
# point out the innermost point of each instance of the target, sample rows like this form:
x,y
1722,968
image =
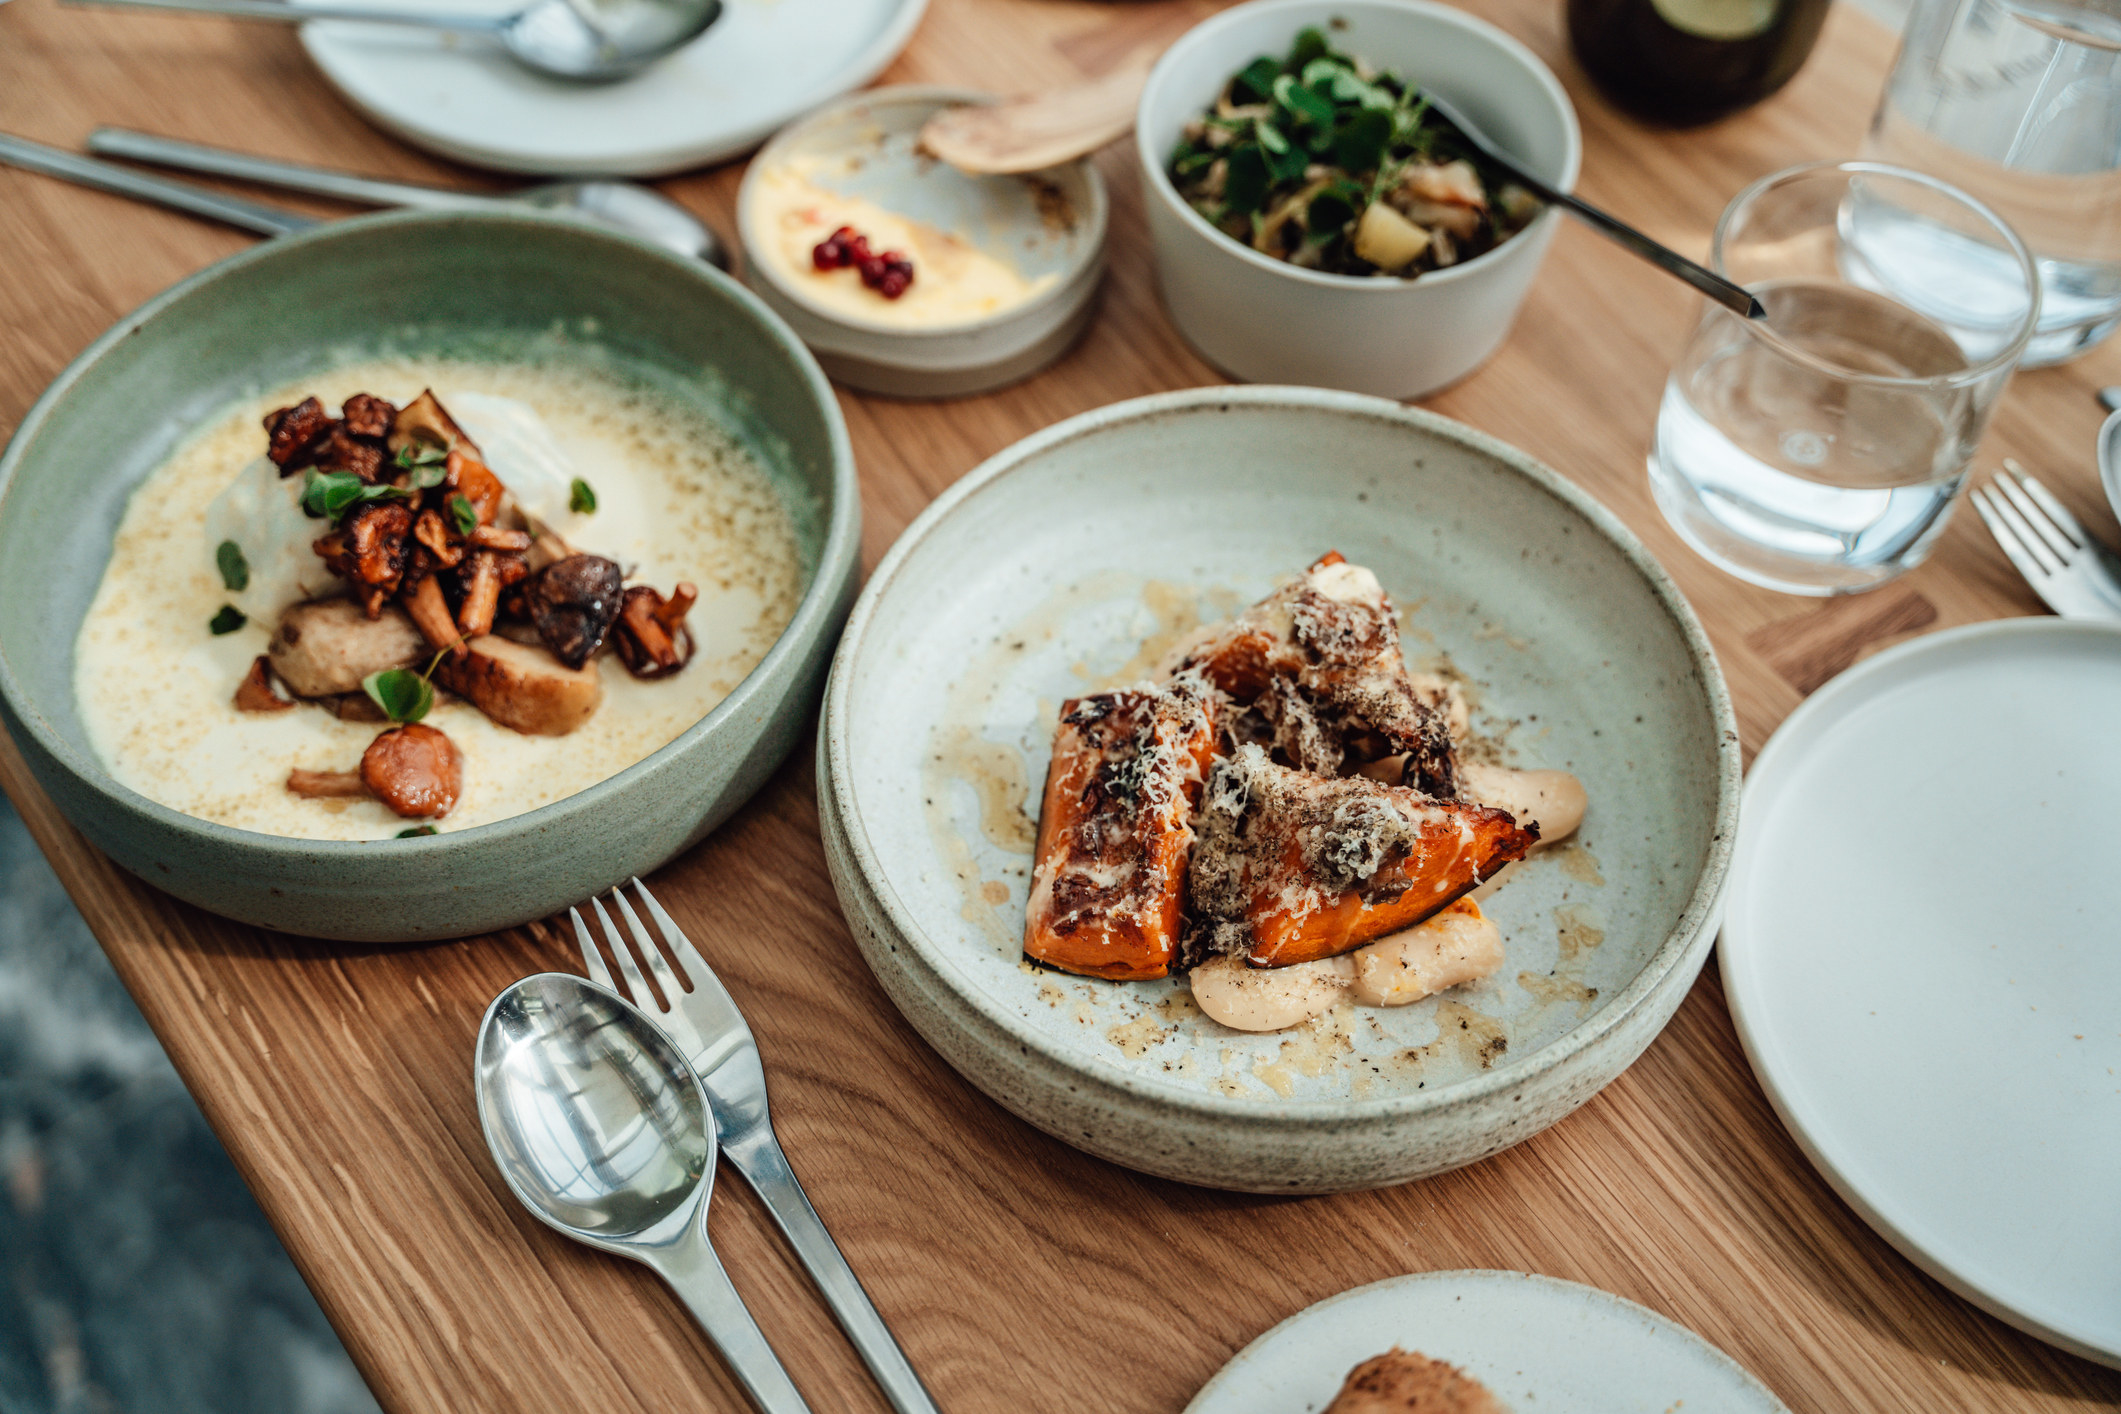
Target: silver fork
x,y
704,1022
2077,576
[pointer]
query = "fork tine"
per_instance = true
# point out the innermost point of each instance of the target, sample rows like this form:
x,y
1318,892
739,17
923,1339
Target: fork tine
x,y
635,984
1996,516
650,953
2050,534
681,949
2056,511
591,958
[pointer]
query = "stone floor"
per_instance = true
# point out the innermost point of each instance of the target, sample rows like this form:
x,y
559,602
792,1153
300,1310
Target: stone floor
x,y
136,1273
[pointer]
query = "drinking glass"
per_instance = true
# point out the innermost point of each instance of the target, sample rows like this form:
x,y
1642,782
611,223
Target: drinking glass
x,y
1817,451
2018,102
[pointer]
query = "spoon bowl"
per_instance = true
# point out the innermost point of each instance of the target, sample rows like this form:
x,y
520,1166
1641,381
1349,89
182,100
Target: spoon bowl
x,y
593,1116
602,1131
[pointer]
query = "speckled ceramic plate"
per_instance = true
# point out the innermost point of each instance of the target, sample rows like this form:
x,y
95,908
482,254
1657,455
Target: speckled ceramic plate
x,y
1538,1345
1069,562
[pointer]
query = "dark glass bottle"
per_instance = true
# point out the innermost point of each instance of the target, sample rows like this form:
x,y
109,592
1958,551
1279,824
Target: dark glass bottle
x,y
1688,61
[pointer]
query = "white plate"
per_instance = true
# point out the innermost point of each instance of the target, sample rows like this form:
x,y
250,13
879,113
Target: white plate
x,y
763,63
1922,950
1541,1346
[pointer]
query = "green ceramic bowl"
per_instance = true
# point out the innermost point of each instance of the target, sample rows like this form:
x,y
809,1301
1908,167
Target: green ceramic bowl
x,y
412,283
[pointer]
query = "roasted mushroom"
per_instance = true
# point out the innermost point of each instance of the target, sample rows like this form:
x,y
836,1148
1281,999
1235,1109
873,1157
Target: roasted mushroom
x,y
255,694
573,603
422,422
652,638
416,770
290,430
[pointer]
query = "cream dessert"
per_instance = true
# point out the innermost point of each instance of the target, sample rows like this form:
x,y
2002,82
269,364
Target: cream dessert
x,y
191,684
793,212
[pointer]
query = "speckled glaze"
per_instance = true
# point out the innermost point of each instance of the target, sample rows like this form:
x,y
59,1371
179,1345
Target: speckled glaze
x,y
1046,561
474,285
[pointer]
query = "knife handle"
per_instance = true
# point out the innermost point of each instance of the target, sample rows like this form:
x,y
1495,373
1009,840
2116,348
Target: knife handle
x,y
760,1160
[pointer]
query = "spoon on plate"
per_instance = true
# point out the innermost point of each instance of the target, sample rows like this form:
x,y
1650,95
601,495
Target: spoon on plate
x,y
601,1130
619,206
623,206
594,43
1031,134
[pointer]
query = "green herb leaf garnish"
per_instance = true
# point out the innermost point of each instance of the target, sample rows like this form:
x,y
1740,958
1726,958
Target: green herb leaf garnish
x,y
581,498
425,475
329,495
463,514
414,454
1256,83
235,570
227,621
403,694
416,831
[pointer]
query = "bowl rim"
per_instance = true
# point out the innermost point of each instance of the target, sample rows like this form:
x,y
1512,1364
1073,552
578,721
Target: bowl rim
x,y
838,554
1695,922
1157,182
1065,287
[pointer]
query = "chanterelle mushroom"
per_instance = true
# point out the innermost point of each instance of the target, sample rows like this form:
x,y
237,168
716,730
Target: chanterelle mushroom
x,y
653,639
415,770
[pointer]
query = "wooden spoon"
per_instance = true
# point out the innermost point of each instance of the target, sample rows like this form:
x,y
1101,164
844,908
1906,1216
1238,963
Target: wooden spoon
x,y
1032,134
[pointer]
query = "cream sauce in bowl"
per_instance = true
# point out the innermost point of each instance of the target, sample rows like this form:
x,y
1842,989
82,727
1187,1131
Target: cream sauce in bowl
x,y
678,498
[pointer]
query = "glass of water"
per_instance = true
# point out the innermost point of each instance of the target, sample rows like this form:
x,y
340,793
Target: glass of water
x,y
1817,451
2018,102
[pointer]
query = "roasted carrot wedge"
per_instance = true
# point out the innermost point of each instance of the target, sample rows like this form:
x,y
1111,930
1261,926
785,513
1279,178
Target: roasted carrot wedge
x,y
1108,892
1291,867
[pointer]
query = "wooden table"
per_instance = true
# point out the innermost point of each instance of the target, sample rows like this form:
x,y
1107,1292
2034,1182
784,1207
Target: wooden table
x,y
1019,1273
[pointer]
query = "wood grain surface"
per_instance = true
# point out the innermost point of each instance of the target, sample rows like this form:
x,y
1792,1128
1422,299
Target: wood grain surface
x,y
1020,1274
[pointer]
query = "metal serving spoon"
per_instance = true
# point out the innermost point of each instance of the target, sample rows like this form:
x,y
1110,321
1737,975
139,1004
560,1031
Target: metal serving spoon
x,y
601,1129
609,39
1027,134
622,206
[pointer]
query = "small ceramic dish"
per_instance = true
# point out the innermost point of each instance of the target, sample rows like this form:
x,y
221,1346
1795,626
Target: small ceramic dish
x,y
1015,260
1071,561
484,286
1267,321
1535,1342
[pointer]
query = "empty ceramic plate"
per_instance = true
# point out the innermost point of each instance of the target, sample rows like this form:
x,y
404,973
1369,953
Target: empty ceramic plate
x,y
1539,1345
1921,954
763,63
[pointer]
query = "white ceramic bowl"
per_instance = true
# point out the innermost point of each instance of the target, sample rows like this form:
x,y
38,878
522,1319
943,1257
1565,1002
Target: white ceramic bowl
x,y
1043,572
1267,321
1004,216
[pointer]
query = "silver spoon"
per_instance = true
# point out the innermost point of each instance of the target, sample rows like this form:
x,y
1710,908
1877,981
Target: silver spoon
x,y
622,206
608,40
601,1129
1735,298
